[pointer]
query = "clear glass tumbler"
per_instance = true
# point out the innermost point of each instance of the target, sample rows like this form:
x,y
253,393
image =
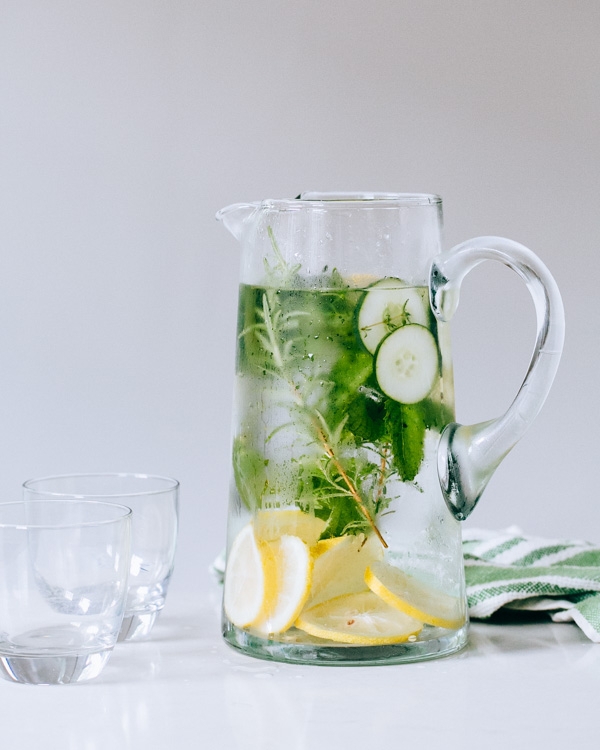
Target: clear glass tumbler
x,y
154,501
63,585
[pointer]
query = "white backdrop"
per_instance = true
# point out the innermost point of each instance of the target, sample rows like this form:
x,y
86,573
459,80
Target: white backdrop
x,y
124,126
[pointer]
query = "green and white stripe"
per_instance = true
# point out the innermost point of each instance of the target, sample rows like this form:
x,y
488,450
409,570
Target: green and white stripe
x,y
515,571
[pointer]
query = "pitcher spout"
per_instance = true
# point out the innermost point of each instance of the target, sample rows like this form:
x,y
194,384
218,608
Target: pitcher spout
x,y
235,217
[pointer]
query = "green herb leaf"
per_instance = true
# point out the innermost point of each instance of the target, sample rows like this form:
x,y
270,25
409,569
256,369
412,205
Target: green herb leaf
x,y
366,419
405,426
352,371
333,500
435,414
249,473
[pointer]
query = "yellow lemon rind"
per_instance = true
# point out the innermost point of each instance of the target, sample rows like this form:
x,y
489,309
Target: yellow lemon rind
x,y
340,565
244,552
324,545
305,623
377,587
275,591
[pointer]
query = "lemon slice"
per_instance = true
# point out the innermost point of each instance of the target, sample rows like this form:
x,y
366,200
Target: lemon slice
x,y
323,545
246,580
409,595
362,619
340,565
288,562
271,524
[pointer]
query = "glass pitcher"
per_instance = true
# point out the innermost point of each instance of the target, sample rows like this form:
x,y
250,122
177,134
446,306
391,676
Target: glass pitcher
x,y
350,475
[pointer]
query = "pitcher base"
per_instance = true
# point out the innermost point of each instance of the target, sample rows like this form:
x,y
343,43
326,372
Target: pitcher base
x,y
324,653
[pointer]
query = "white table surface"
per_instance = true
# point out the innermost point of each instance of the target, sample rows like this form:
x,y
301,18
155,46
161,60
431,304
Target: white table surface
x,y
531,684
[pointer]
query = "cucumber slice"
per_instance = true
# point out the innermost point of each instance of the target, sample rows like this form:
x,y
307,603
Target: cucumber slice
x,y
387,305
407,364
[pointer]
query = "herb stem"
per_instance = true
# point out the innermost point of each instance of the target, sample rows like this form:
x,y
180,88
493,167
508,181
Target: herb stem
x,y
382,474
353,491
278,359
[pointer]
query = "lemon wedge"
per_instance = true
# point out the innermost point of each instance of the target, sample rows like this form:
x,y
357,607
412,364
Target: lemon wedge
x,y
340,565
362,619
409,595
288,563
273,523
246,580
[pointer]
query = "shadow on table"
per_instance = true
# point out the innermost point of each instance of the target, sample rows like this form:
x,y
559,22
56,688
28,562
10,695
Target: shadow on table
x,y
513,631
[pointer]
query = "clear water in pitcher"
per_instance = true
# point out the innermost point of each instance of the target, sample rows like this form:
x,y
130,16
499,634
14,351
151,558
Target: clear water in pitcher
x,y
340,546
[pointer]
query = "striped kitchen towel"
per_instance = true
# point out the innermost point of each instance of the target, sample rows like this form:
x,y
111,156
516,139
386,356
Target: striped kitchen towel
x,y
511,570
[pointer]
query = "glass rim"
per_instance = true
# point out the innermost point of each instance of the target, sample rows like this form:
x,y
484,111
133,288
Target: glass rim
x,y
25,525
170,482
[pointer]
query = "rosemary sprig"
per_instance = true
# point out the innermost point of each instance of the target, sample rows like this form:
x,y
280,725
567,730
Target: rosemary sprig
x,y
275,332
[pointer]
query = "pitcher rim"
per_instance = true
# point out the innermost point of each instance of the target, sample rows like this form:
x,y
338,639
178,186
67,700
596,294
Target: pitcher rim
x,y
343,197
330,200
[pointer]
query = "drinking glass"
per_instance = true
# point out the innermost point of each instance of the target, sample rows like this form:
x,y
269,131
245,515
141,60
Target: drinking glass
x,y
154,502
63,586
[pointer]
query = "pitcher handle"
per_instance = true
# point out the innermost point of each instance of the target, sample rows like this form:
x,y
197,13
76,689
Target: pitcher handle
x,y
468,455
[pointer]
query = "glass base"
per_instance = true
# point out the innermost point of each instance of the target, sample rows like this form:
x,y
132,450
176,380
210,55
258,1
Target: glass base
x,y
55,669
138,625
298,648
